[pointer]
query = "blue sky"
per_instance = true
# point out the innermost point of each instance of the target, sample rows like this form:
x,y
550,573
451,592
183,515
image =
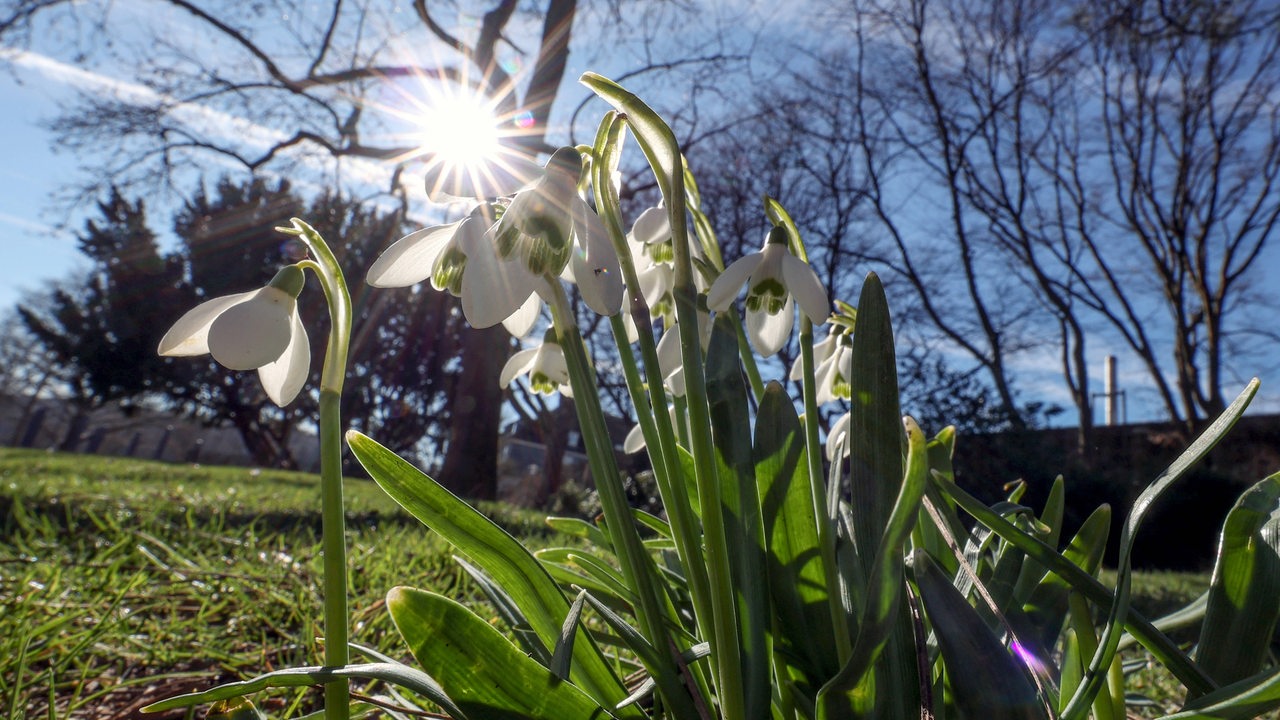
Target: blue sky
x,y
34,250
39,245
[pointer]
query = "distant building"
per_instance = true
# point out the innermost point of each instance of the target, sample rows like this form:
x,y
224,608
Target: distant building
x,y
132,431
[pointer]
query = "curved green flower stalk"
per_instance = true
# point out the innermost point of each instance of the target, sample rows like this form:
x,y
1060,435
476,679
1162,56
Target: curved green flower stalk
x,y
662,150
813,456
657,427
337,693
637,566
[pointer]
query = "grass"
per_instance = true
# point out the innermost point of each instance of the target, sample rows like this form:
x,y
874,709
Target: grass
x,y
126,581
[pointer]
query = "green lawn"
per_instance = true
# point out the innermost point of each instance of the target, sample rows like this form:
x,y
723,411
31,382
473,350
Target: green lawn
x,y
125,581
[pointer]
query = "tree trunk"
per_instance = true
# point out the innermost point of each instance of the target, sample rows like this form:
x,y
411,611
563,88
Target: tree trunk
x,y
470,465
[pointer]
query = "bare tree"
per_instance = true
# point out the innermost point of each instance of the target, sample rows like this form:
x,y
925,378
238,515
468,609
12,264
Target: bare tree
x,y
1041,175
321,92
1189,97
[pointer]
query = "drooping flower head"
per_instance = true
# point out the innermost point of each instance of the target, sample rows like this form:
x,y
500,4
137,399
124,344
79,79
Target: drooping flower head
x,y
258,330
773,277
498,269
545,366
552,231
833,366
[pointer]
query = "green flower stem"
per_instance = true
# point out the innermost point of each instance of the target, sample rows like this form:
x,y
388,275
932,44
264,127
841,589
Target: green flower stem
x,y
663,153
682,419
337,694
748,356
637,566
817,490
656,425
659,438
725,648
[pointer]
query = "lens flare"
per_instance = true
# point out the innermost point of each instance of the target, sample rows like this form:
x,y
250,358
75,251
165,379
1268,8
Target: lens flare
x,y
459,130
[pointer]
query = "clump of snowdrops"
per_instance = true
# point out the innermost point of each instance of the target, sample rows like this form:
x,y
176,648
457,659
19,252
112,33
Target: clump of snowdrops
x,y
787,577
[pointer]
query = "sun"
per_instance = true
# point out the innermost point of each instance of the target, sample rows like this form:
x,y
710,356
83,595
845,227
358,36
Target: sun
x,y
459,131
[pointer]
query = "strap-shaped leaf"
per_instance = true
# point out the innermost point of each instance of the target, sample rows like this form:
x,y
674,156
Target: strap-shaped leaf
x,y
986,680
1242,605
495,551
1190,614
508,610
1051,521
1164,649
928,534
484,674
394,673
800,591
563,655
1046,607
1097,669
740,498
1243,700
876,451
579,528
874,692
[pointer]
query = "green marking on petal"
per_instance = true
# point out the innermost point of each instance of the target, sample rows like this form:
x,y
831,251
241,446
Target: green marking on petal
x,y
661,252
546,229
505,240
542,384
841,387
447,273
769,286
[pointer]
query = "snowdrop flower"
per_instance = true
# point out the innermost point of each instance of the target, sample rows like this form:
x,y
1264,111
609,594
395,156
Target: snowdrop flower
x,y
773,277
541,228
836,438
258,330
545,365
634,442
651,247
650,236
433,253
441,253
670,360
833,366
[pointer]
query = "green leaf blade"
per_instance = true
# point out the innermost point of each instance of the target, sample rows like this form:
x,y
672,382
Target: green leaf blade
x,y
495,551
484,674
1242,610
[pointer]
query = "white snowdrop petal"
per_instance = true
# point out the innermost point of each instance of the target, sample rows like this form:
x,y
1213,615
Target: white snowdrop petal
x,y
675,382
598,274
285,378
551,362
521,322
836,437
655,281
653,225
634,442
410,260
727,287
768,333
255,332
668,350
823,377
190,334
517,364
493,289
803,284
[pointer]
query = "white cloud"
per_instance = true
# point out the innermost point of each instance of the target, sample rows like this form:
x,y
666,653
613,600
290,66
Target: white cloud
x,y
27,224
220,125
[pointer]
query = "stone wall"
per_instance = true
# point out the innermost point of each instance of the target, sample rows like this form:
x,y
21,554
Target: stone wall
x,y
131,432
